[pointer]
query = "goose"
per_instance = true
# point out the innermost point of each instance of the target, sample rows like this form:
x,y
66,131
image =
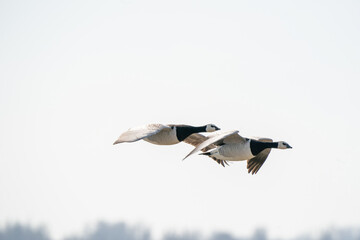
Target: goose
x,y
163,134
230,146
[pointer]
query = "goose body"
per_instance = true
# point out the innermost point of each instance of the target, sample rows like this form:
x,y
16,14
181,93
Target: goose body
x,y
230,146
233,152
164,137
160,134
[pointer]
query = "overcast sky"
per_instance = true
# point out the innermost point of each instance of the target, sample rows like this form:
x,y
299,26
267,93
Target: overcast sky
x,y
75,74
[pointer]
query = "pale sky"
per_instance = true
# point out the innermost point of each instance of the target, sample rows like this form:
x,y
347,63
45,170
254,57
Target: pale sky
x,y
75,74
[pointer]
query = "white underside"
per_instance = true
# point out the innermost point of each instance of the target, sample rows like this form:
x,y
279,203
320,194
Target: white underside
x,y
164,137
233,152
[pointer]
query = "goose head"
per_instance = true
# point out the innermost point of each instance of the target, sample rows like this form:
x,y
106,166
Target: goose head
x,y
211,128
283,145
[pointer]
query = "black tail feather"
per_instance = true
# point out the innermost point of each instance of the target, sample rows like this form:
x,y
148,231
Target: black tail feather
x,y
205,153
221,162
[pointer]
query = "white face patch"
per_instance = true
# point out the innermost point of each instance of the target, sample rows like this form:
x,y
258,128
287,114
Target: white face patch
x,y
283,145
210,128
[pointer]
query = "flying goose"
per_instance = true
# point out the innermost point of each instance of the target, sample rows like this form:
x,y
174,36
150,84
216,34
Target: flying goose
x,y
163,134
230,146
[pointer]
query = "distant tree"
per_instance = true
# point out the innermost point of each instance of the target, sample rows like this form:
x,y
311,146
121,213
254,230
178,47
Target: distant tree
x,y
341,234
347,234
259,234
122,231
326,236
222,236
183,236
21,232
117,231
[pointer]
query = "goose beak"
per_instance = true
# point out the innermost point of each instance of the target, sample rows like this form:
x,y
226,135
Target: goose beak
x,y
216,128
289,146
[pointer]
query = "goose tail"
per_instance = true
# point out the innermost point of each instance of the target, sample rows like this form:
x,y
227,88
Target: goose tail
x,y
219,161
205,153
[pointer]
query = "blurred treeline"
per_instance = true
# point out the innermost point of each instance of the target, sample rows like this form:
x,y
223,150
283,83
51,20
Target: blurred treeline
x,y
122,231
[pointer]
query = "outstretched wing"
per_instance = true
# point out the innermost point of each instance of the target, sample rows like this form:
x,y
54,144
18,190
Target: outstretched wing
x,y
254,164
138,133
196,139
213,139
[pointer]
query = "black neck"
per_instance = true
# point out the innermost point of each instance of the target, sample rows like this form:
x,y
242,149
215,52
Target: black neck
x,y
257,146
184,131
